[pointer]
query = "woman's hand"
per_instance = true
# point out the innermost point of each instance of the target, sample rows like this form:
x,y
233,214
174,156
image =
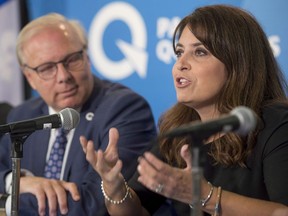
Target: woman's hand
x,y
107,163
164,179
109,166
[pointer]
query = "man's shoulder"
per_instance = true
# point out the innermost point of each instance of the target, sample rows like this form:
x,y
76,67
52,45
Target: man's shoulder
x,y
116,97
118,90
33,107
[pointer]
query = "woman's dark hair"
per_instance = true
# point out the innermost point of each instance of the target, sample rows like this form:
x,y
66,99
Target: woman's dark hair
x,y
254,78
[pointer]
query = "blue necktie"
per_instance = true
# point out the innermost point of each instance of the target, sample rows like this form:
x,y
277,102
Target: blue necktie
x,y
55,161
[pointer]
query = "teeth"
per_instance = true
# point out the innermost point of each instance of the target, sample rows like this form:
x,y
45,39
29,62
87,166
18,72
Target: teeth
x,y
182,81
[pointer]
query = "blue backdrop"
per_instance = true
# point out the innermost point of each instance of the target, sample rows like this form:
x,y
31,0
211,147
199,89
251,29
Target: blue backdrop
x,y
130,41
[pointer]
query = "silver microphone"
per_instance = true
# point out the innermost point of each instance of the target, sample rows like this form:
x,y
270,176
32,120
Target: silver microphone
x,y
67,118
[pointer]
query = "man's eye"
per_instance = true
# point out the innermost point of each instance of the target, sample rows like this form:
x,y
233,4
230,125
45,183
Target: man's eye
x,y
75,61
46,68
74,58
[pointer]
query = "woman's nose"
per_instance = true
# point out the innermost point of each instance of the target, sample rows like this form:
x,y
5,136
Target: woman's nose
x,y
183,63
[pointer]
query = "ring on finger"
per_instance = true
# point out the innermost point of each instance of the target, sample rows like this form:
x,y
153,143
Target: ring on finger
x,y
159,188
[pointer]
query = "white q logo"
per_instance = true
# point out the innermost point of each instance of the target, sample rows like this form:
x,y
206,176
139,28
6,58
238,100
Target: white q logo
x,y
135,54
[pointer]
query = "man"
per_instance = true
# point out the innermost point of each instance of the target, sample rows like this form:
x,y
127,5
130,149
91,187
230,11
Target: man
x,y
52,53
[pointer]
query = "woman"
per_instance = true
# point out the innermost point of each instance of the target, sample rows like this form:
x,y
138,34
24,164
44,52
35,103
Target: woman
x,y
224,60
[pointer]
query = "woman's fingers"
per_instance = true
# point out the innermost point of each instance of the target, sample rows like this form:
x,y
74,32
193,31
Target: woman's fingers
x,y
186,155
152,172
83,142
111,152
91,154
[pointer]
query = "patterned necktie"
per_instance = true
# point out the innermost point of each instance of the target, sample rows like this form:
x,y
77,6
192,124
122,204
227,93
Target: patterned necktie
x,y
54,163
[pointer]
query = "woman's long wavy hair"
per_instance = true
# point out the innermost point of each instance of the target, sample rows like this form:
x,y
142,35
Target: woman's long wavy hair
x,y
254,78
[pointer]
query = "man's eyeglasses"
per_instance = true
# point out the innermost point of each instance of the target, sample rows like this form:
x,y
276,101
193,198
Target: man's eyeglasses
x,y
72,63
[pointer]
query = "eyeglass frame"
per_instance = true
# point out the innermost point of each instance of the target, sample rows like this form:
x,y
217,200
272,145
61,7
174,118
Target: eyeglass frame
x,y
55,64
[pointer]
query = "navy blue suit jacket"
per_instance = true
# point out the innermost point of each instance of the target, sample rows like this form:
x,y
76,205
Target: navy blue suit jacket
x,y
110,105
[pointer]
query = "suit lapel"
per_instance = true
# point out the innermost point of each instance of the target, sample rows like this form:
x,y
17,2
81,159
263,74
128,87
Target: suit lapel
x,y
85,127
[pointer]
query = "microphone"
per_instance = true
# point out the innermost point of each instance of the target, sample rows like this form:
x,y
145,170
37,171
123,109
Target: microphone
x,y
241,120
67,118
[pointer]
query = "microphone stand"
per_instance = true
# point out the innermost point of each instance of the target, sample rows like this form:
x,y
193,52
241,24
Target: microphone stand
x,y
197,170
16,154
197,173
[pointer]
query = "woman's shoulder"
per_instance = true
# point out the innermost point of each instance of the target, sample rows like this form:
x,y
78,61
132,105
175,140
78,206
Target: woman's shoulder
x,y
275,127
272,137
275,113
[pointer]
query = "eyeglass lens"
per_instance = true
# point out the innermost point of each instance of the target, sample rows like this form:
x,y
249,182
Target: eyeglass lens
x,y
72,63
